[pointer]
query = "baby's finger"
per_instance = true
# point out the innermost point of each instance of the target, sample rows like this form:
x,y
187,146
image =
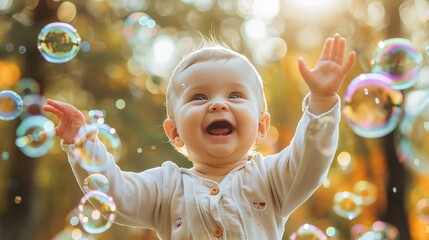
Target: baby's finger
x,y
350,62
49,108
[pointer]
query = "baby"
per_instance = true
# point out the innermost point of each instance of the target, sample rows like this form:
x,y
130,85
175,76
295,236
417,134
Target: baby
x,y
216,112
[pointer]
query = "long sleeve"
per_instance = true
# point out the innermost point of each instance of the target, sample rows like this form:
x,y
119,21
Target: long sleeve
x,y
299,169
139,197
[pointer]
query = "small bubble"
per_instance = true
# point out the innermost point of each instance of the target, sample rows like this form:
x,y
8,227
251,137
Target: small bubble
x,y
139,150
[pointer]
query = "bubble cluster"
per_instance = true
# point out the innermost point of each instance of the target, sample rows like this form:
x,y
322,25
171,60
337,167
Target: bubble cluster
x,y
58,42
347,205
96,181
29,138
11,105
372,107
399,60
97,211
308,231
414,132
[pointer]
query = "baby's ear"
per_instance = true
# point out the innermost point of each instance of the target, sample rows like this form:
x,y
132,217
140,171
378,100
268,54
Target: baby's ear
x,y
263,126
172,133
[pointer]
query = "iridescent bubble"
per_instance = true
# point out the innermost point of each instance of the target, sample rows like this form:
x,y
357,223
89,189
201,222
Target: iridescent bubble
x,y
399,60
347,204
27,86
110,139
86,150
422,209
308,232
139,28
96,181
367,191
412,145
358,230
97,211
11,105
58,42
28,137
372,108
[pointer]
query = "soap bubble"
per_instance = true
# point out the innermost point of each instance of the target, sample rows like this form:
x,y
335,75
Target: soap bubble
x,y
96,181
85,149
27,86
399,60
413,137
97,211
110,139
308,231
11,105
28,137
58,42
372,108
367,191
347,204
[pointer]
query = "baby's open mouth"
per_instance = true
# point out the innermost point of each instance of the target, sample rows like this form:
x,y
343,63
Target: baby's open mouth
x,y
220,128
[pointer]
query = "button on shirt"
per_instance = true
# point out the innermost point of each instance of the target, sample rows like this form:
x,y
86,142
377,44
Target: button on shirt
x,y
253,201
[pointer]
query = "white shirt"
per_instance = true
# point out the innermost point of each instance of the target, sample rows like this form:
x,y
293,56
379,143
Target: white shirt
x,y
253,201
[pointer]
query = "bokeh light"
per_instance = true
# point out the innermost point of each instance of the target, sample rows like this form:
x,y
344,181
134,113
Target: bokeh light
x,y
399,60
58,42
372,107
367,191
11,105
347,204
97,211
29,137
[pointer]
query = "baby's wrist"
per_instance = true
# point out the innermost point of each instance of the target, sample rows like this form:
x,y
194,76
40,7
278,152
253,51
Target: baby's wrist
x,y
318,104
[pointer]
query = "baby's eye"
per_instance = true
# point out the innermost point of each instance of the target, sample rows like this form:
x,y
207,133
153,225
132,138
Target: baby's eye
x,y
199,97
235,95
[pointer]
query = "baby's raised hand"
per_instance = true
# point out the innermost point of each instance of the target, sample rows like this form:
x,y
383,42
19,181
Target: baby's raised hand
x,y
325,78
70,120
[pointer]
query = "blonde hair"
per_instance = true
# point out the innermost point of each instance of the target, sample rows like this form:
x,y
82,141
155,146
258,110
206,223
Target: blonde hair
x,y
210,51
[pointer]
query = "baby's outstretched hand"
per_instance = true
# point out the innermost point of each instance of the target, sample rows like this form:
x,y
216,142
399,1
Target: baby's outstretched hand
x,y
326,77
70,120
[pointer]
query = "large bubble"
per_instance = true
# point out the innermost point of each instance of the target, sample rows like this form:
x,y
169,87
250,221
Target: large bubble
x,y
372,107
11,105
29,138
347,204
399,60
412,147
97,211
58,42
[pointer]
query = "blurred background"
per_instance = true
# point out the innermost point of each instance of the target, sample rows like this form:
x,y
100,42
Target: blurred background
x,y
112,59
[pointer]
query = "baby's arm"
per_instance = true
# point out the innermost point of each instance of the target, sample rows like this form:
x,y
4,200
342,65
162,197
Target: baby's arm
x,y
325,78
129,190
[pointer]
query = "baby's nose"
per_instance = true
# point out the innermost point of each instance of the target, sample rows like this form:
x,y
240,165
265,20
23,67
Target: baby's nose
x,y
218,106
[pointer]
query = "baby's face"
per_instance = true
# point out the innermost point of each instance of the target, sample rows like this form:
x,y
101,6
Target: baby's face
x,y
216,110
